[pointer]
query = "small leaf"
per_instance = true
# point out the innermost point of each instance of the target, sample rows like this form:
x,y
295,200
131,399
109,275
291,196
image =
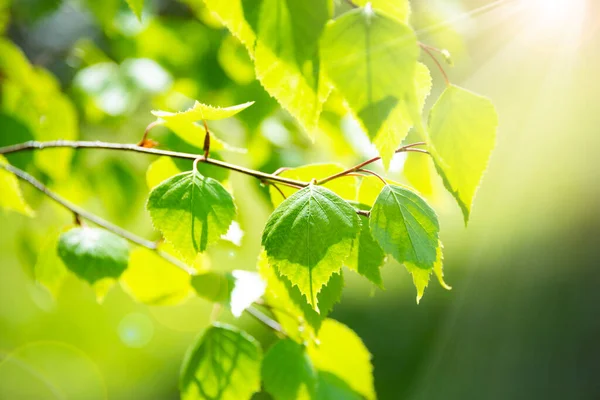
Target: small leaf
x,y
308,237
160,170
291,307
93,254
202,112
371,59
287,60
405,226
49,269
287,371
367,257
237,289
421,276
191,211
223,364
137,6
152,280
345,187
342,353
12,198
462,135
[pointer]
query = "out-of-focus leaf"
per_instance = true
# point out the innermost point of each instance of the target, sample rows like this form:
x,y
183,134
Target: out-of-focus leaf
x,y
93,254
12,198
224,363
405,226
137,7
462,135
288,373
191,211
342,353
237,289
13,132
308,237
345,187
330,387
49,269
150,279
160,170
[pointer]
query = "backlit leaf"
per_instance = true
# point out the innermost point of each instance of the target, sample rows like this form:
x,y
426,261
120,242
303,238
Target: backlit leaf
x,y
191,211
342,353
399,9
137,7
287,372
287,60
12,198
160,170
224,364
421,276
152,280
202,112
405,226
308,237
371,59
237,15
93,254
462,135
330,387
49,269
344,187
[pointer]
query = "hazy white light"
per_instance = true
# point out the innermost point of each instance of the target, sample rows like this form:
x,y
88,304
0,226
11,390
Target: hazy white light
x,y
555,15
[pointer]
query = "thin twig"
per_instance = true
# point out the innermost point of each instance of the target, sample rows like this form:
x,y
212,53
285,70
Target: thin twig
x,y
427,50
375,174
144,140
271,323
406,148
31,145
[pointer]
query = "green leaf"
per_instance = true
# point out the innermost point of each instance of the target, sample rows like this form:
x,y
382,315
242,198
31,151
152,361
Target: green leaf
x,y
367,257
191,211
12,198
399,9
330,387
49,269
345,187
223,364
405,226
342,353
287,60
236,16
93,253
160,170
202,112
308,237
371,59
152,280
287,372
184,124
462,135
237,289
397,126
421,276
14,132
299,320
137,6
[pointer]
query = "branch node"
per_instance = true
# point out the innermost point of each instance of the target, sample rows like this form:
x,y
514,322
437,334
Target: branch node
x,y
145,142
206,140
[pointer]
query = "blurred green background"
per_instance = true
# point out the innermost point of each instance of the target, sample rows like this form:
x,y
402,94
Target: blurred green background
x,y
523,318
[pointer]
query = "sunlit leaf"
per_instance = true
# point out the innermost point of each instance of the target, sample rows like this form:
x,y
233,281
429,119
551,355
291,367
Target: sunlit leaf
x,y
152,280
287,59
12,198
160,170
405,226
330,387
93,254
224,363
298,318
191,211
308,237
421,276
344,187
371,59
237,289
235,15
202,112
342,353
287,372
462,134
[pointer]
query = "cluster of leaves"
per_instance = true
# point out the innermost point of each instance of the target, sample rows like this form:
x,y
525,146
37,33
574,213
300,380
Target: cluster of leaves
x,y
303,53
